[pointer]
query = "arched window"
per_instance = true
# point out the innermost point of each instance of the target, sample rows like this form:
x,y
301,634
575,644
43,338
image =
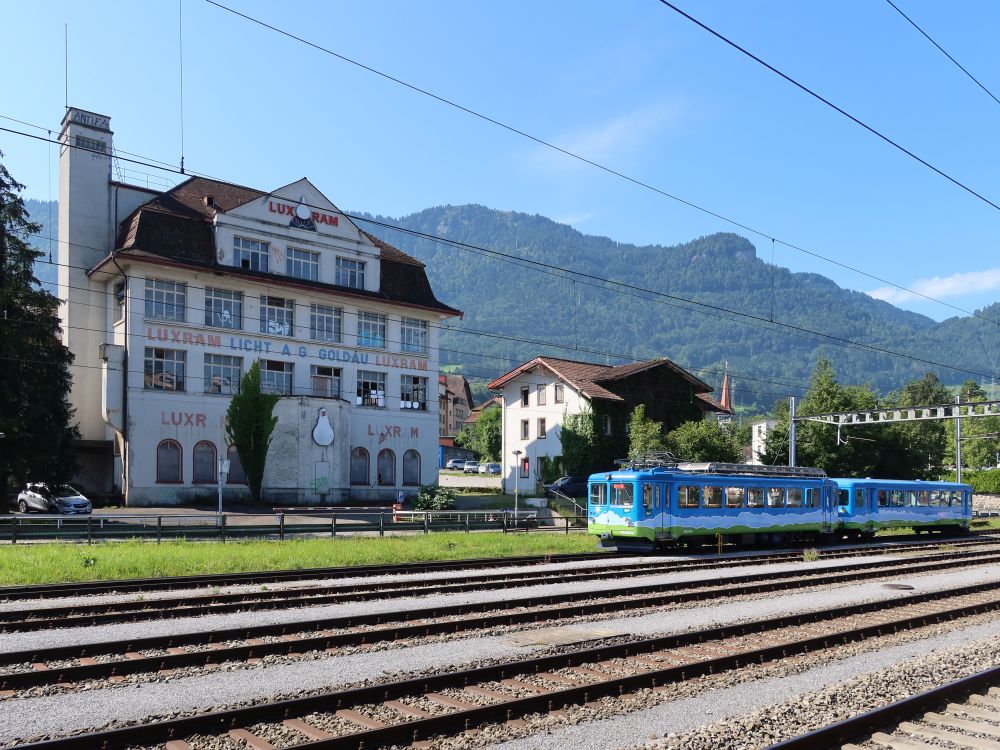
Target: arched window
x,y
411,468
359,466
204,463
168,462
236,473
386,468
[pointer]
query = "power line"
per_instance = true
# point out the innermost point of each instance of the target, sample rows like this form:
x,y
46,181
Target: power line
x,y
604,168
552,269
442,327
828,103
943,51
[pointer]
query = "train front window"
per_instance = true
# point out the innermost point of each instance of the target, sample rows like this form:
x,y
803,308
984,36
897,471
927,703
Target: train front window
x,y
687,497
621,494
755,497
598,494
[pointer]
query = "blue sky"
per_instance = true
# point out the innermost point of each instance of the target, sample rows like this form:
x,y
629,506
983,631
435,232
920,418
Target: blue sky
x,y
631,85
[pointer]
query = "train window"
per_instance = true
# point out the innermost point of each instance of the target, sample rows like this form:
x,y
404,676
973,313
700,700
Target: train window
x,y
898,498
755,497
938,497
812,497
621,494
598,494
845,498
954,498
687,497
647,498
775,497
794,497
883,499
923,499
713,497
734,497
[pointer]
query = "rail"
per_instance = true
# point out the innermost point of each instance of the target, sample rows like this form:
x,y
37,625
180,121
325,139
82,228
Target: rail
x,y
277,525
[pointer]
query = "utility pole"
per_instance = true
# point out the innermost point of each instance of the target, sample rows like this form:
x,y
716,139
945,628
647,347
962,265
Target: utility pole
x,y
791,430
958,440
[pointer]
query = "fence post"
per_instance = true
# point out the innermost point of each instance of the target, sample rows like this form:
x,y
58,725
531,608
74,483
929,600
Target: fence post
x,y
90,529
566,519
467,514
381,523
333,525
427,526
159,529
281,527
222,528
13,529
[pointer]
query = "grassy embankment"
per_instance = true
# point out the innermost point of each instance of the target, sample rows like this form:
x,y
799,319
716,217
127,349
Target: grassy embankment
x,y
54,563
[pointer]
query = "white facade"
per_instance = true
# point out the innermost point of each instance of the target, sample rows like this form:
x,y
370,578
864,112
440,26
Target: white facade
x,y
759,429
534,428
182,335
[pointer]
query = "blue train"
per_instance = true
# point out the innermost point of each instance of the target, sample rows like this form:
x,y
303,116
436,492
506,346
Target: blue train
x,y
659,502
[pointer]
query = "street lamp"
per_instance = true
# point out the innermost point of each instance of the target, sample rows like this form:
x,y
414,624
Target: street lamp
x,y
517,473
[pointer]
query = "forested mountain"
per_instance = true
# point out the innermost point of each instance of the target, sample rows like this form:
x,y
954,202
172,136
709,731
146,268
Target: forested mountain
x,y
718,271
524,306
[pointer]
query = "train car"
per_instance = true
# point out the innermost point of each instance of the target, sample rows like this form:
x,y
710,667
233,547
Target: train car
x,y
866,505
659,502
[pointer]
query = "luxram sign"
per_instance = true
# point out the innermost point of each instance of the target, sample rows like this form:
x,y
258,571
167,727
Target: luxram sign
x,y
263,346
301,216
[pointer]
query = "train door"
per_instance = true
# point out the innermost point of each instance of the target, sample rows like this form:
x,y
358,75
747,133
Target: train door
x,y
827,501
662,505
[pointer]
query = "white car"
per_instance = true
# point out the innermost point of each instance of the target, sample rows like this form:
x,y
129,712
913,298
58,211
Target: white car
x,y
64,499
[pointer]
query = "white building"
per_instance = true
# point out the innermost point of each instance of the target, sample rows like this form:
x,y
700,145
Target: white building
x,y
759,429
537,396
169,297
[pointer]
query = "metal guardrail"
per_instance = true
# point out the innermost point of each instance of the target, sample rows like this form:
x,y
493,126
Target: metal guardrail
x,y
91,528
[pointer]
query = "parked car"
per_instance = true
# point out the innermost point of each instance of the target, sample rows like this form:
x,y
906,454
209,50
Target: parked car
x,y
491,468
569,486
470,467
455,463
63,499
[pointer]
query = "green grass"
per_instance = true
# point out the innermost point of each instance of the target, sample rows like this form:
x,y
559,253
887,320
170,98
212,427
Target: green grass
x,y
54,563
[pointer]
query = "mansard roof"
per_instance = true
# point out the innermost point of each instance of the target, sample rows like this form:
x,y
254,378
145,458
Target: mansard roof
x,y
175,228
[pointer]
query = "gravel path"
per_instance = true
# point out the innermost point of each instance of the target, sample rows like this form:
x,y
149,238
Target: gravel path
x,y
69,636
722,706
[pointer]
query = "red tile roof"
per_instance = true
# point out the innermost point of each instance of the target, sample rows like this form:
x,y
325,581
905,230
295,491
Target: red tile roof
x,y
588,377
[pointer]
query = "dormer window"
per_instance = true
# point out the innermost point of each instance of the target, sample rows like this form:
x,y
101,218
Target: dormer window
x,y
210,201
250,255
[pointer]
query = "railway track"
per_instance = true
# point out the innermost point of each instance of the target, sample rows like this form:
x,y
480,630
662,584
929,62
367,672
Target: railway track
x,y
414,710
113,660
964,713
85,614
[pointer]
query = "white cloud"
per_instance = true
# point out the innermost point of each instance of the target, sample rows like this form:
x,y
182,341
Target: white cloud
x,y
939,287
609,141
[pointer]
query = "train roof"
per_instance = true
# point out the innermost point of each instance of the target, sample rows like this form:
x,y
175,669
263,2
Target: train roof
x,y
709,470
900,483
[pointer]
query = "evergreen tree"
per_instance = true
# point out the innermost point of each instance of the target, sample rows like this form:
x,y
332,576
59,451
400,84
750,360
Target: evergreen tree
x,y
249,424
35,416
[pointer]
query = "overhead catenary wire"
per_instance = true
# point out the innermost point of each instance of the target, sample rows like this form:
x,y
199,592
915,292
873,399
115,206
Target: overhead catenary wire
x,y
597,165
943,51
828,103
442,327
780,327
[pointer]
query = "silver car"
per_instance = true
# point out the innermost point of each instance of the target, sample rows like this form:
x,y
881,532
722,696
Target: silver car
x,y
64,499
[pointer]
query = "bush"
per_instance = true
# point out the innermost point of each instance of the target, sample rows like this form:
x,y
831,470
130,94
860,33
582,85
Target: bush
x,y
433,497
